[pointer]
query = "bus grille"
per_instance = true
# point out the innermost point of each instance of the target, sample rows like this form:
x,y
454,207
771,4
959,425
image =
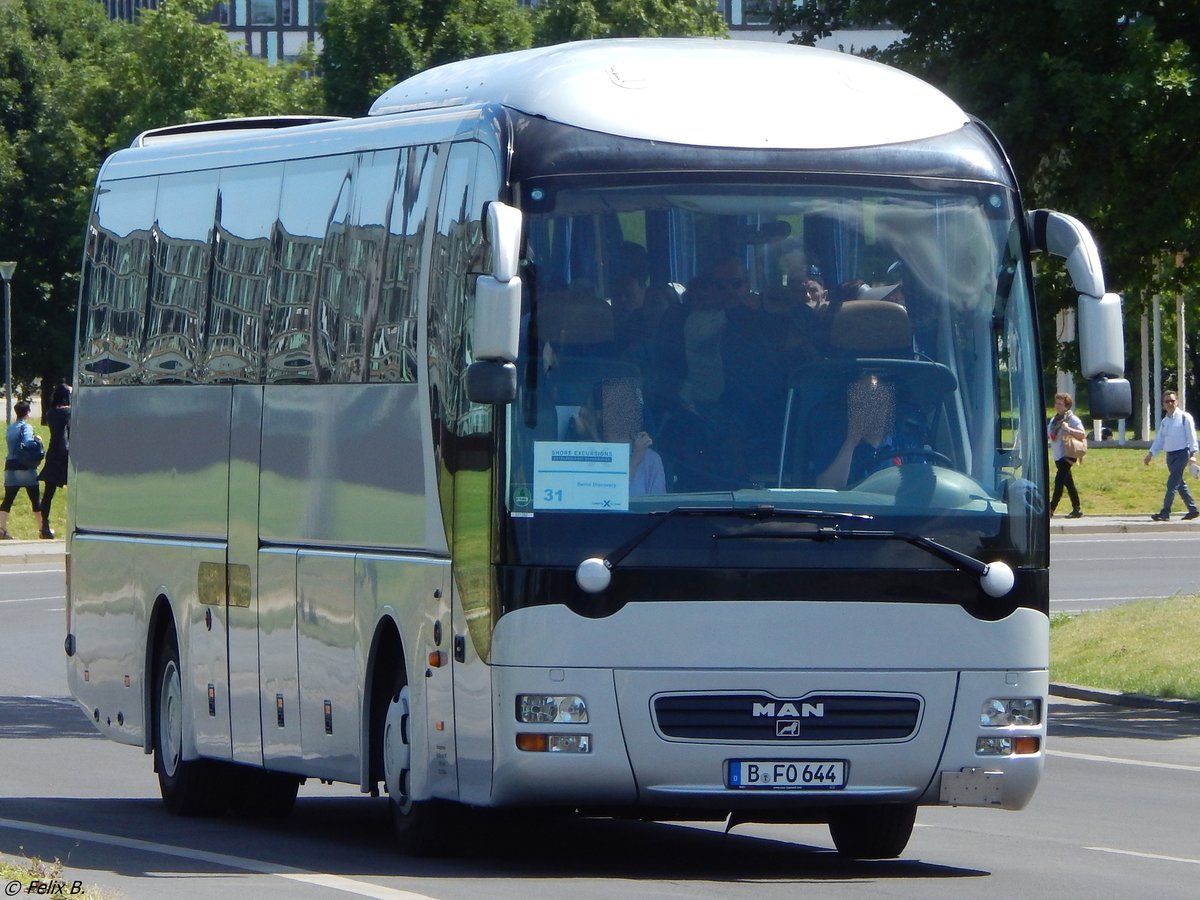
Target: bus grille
x,y
760,717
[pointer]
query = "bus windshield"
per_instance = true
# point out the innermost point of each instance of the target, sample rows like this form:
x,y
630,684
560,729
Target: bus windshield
x,y
839,345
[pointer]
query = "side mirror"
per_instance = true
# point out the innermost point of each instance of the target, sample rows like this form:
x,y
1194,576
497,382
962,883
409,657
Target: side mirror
x,y
1101,332
1110,398
496,324
492,382
502,229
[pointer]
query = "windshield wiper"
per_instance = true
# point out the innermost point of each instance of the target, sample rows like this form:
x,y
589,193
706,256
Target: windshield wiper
x,y
996,578
594,573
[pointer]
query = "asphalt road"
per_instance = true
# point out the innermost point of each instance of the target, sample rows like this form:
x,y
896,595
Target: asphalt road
x,y
1114,817
1095,571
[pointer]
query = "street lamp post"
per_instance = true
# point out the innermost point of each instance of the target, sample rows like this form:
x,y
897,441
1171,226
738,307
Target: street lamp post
x,y
6,272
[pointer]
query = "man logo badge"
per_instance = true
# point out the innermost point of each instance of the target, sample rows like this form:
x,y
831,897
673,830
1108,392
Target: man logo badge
x,y
787,728
780,710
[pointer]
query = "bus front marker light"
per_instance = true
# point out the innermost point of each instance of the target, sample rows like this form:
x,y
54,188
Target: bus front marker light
x,y
593,575
1005,712
997,579
549,709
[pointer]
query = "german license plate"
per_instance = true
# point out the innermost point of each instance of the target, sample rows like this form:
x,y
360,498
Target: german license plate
x,y
789,774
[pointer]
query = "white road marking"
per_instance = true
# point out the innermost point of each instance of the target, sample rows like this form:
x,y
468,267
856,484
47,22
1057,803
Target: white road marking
x,y
261,867
32,599
1157,856
1123,762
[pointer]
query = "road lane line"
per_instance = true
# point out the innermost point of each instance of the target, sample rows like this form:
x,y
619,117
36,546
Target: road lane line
x,y
259,867
32,599
1157,856
1089,757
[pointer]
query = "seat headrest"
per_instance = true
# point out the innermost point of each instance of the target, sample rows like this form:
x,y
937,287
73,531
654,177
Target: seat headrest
x,y
566,320
871,327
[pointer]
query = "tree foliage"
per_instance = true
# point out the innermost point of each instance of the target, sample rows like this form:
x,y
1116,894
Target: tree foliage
x,y
50,58
172,68
75,86
369,45
578,20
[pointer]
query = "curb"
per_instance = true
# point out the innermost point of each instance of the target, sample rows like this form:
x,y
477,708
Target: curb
x,y
1108,525
23,553
1116,698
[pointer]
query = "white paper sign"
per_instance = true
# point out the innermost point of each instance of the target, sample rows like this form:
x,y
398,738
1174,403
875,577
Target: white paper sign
x,y
580,475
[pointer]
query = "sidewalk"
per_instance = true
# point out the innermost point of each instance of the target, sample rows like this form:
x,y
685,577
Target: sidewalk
x,y
1129,524
20,553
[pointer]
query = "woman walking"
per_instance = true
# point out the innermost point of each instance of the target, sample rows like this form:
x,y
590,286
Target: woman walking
x,y
1064,421
54,471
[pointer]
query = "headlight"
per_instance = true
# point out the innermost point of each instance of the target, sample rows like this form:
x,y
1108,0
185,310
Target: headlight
x,y
1001,713
545,709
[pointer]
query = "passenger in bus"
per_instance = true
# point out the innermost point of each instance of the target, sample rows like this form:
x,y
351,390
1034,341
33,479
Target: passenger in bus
x,y
17,475
636,314
614,415
873,441
688,349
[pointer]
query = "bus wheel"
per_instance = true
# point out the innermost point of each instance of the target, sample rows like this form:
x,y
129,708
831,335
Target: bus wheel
x,y
872,832
189,788
422,827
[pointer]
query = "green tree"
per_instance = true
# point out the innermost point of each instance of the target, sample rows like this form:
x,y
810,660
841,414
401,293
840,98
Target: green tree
x,y
171,68
577,20
74,87
1095,100
370,45
51,59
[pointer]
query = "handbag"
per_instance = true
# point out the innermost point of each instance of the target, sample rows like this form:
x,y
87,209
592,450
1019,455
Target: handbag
x,y
30,453
1073,447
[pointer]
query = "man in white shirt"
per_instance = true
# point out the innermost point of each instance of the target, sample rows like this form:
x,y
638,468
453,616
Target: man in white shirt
x,y
1177,437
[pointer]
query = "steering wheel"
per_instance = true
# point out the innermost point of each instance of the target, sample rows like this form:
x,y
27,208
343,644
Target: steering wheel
x,y
925,455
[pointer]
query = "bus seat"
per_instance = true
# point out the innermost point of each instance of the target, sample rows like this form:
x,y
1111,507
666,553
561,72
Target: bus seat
x,y
874,328
572,320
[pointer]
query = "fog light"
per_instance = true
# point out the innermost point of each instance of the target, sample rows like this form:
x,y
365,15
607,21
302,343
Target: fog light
x,y
545,709
993,746
554,743
1026,745
1000,712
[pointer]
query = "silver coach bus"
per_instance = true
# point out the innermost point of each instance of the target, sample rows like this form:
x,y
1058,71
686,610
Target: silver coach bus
x,y
598,427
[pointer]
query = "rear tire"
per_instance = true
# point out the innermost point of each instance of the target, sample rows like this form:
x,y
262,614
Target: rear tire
x,y
872,832
192,787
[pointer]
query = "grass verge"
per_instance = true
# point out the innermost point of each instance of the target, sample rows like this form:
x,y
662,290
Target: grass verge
x,y
1151,647
40,878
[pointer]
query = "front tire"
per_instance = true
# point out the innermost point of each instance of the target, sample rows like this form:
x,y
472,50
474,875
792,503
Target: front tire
x,y
422,828
191,787
872,832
